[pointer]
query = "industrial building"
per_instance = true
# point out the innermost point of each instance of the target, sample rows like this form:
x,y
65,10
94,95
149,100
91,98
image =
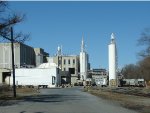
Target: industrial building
x,y
24,57
71,68
40,56
68,65
98,72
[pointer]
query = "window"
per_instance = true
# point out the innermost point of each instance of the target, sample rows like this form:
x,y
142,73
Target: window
x,y
69,61
72,70
64,69
59,62
64,61
73,61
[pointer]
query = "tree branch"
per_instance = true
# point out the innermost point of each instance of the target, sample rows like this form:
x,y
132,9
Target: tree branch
x,y
9,20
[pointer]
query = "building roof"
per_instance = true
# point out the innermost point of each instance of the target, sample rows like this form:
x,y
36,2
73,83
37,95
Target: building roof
x,y
47,65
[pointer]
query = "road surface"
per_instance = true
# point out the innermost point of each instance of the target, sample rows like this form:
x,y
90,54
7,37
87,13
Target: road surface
x,y
65,100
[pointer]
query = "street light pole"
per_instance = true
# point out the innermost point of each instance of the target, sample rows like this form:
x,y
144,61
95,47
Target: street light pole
x,y
13,66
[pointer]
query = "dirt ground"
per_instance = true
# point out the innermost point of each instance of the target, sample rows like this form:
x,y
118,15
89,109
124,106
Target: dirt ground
x,y
129,97
6,92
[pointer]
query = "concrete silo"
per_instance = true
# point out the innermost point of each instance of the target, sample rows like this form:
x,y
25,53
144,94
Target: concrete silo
x,y
112,54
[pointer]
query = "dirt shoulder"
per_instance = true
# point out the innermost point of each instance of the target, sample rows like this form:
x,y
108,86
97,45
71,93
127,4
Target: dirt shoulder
x,y
6,95
137,99
8,92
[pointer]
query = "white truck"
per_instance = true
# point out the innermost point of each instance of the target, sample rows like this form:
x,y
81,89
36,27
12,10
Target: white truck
x,y
101,81
46,77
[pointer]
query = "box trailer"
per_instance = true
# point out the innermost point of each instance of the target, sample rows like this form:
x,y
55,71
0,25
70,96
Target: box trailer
x,y
46,77
133,82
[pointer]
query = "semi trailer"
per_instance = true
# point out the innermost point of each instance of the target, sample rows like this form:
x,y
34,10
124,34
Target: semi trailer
x,y
41,77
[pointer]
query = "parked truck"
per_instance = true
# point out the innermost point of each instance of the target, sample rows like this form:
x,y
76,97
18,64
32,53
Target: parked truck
x,y
101,81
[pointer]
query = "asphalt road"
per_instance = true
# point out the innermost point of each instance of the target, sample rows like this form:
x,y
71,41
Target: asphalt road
x,y
66,100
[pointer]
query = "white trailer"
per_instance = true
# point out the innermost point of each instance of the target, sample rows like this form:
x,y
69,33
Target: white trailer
x,y
47,77
133,82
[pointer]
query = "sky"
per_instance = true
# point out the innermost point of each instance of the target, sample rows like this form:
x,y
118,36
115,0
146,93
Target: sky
x,y
64,23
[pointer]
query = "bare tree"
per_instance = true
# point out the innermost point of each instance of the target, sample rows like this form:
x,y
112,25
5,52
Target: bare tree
x,y
145,68
7,20
144,63
140,70
145,41
131,71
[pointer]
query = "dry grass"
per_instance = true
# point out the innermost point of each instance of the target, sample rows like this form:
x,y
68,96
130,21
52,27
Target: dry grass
x,y
25,90
6,93
139,103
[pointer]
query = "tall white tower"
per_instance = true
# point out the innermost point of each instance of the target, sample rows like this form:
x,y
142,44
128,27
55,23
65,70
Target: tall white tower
x,y
112,61
83,62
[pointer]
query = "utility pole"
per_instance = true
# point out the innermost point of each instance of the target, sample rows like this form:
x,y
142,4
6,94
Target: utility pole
x,y
13,66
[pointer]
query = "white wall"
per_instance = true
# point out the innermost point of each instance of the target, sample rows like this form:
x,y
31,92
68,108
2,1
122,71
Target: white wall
x,y
0,77
36,77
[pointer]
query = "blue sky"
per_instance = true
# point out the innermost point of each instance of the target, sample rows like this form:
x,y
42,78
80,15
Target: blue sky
x,y
63,23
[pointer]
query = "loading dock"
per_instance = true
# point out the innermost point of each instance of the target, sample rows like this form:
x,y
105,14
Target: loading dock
x,y
4,73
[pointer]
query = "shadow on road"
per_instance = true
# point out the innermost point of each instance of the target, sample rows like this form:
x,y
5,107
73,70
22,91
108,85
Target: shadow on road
x,y
52,98
8,102
34,112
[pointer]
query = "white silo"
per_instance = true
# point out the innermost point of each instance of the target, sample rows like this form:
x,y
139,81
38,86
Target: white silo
x,y
83,62
112,62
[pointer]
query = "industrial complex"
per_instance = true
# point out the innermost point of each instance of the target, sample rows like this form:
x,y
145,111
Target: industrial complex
x,y
34,67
